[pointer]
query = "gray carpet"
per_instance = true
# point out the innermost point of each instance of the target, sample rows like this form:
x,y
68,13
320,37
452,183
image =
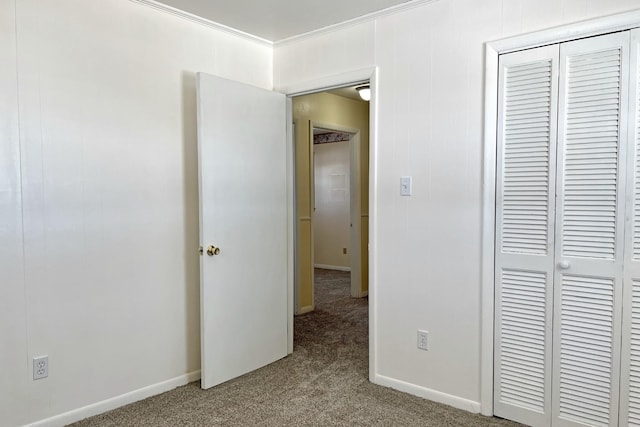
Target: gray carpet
x,y
323,383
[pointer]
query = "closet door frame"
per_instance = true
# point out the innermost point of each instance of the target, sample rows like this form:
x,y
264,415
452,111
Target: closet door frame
x,y
613,23
630,372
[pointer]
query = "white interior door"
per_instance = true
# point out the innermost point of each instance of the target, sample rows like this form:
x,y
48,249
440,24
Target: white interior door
x,y
242,159
525,217
560,251
630,379
592,117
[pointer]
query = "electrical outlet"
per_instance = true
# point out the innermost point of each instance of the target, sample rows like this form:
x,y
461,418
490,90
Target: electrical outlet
x,y
40,367
344,251
423,340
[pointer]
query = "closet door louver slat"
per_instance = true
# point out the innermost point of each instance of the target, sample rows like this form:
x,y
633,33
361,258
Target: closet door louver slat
x,y
630,413
524,241
594,147
586,358
522,339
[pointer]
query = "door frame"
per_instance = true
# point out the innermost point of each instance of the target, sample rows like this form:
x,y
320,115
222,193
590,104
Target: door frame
x,y
323,84
355,232
619,22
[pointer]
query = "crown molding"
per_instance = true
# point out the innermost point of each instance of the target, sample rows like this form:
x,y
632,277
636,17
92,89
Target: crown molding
x,y
411,4
202,21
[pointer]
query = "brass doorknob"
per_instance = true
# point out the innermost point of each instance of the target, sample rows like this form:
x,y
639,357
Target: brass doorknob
x,y
212,250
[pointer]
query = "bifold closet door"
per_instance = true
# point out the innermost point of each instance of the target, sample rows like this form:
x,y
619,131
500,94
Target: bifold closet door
x,y
630,380
592,120
528,90
560,235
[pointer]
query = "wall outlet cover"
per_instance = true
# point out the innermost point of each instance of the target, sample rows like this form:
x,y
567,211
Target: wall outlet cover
x,y
40,367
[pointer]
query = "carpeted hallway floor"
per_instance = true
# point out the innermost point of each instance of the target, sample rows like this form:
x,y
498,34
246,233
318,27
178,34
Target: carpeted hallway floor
x,y
323,383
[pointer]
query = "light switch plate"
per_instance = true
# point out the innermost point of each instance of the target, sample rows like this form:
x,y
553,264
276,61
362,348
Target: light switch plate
x,y
405,186
423,340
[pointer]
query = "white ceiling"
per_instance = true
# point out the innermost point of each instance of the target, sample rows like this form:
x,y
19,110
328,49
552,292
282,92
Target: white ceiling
x,y
348,92
280,19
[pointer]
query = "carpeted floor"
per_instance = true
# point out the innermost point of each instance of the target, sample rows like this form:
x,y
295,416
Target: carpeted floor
x,y
323,383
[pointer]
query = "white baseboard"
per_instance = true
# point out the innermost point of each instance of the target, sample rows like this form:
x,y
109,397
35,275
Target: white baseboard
x,y
116,402
436,396
306,309
332,267
361,294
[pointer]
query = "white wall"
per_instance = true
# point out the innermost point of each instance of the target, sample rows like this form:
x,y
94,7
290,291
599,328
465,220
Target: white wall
x,y
107,154
13,322
331,215
351,48
430,61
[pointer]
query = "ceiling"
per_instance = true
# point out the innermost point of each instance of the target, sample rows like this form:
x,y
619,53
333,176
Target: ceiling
x,y
348,92
276,20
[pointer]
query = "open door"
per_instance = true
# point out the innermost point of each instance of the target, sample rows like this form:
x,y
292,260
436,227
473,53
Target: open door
x,y
242,161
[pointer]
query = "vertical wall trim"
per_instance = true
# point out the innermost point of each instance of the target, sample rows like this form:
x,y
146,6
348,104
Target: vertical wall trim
x,y
373,224
488,230
291,223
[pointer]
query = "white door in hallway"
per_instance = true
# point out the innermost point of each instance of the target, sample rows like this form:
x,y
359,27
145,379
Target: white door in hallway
x,y
242,159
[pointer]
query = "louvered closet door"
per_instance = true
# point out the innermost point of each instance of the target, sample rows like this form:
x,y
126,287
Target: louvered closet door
x,y
589,230
630,379
524,234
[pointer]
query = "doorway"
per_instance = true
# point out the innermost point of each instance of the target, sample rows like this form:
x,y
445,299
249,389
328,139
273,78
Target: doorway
x,y
331,112
336,225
